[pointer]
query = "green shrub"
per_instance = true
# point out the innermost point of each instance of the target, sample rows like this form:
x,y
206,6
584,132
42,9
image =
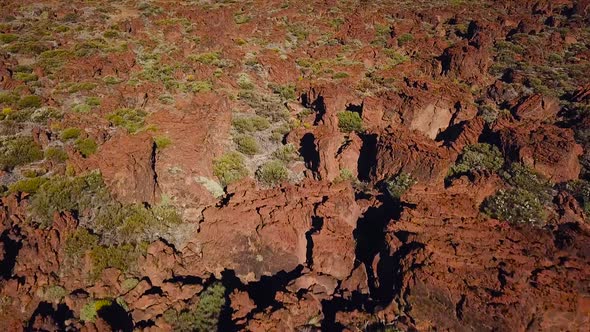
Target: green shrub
x,y
272,173
349,122
345,175
404,39
29,102
398,185
516,206
8,98
70,133
79,243
25,77
340,75
580,189
18,151
6,38
209,58
27,185
133,223
63,194
480,156
197,86
82,86
244,82
54,293
523,177
89,311
129,284
162,142
81,108
286,153
120,257
54,59
130,119
250,124
86,146
286,92
230,168
246,144
204,317
56,154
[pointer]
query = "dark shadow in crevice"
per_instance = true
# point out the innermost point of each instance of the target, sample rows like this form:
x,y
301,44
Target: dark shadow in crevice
x,y
320,109
57,316
117,317
355,108
11,249
316,225
309,151
367,157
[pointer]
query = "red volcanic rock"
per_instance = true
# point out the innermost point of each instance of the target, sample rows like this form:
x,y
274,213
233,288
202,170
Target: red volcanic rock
x,y
537,107
401,150
265,232
466,62
550,150
127,165
198,132
581,94
296,314
458,270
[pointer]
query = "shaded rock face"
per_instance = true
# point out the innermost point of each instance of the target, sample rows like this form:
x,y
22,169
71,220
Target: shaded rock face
x,y
551,151
128,166
526,287
278,231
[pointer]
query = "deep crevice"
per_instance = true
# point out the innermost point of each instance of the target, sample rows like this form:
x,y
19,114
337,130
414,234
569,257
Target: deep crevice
x,y
309,151
316,225
11,249
367,157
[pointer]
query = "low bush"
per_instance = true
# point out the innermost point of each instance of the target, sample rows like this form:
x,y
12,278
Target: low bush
x,y
162,142
349,122
244,82
580,189
17,151
230,168
28,185
287,92
480,156
286,153
70,133
30,101
56,154
86,146
89,312
246,144
250,124
398,185
209,58
272,173
130,119
523,177
205,316
516,206
64,194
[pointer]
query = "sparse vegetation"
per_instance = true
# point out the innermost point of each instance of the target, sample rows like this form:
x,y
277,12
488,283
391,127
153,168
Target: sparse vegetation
x,y
286,153
56,154
27,185
250,124
272,173
18,151
205,316
398,185
86,146
479,156
516,206
89,312
70,133
31,101
130,119
230,168
349,122
162,142
246,144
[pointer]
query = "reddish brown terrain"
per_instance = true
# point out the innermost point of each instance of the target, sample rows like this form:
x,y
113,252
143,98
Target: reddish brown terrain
x,y
282,165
